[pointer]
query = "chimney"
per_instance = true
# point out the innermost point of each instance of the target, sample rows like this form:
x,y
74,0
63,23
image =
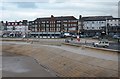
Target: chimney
x,y
2,21
52,16
80,16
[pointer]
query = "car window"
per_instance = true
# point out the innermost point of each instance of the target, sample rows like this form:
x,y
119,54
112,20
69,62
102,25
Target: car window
x,y
106,42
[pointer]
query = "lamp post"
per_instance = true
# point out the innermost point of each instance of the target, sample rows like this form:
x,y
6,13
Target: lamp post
x,y
106,27
103,34
42,33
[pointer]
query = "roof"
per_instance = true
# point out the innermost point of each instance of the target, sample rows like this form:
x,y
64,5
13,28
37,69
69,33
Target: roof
x,y
57,18
96,18
115,19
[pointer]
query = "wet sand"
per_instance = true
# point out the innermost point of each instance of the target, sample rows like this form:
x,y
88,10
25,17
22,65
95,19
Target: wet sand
x,y
14,65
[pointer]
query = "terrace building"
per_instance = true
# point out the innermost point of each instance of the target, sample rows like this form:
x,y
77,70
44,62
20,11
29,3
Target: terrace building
x,y
2,27
53,26
95,25
17,28
114,26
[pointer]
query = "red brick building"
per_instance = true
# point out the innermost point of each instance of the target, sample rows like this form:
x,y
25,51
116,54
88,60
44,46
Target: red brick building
x,y
53,25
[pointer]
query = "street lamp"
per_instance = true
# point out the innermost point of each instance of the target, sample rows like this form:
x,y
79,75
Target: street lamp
x,y
106,27
42,33
103,34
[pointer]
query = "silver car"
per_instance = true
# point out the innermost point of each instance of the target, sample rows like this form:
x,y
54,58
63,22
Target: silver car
x,y
101,44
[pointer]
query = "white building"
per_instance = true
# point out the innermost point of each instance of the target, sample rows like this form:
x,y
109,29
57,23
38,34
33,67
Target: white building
x,y
95,25
114,26
20,27
1,28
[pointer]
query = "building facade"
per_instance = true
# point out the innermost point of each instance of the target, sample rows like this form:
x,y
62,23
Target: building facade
x,y
2,28
114,26
17,28
95,25
53,26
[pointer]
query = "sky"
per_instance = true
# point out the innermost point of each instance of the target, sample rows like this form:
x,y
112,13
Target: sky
x,y
11,10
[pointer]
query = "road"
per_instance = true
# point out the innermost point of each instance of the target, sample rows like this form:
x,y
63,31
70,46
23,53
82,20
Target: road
x,y
88,52
114,46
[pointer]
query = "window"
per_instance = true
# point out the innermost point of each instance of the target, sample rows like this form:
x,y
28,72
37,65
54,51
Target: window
x,y
47,21
15,23
113,20
65,21
20,23
65,24
43,21
74,21
74,24
47,25
92,27
58,21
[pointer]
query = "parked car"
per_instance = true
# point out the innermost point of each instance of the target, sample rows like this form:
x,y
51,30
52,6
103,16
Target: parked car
x,y
95,37
64,35
101,44
74,36
4,35
116,36
82,36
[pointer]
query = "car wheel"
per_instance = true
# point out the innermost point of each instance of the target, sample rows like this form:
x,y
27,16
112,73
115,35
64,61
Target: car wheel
x,y
105,46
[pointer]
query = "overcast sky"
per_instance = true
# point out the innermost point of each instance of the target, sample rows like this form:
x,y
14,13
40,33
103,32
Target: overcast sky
x,y
11,10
